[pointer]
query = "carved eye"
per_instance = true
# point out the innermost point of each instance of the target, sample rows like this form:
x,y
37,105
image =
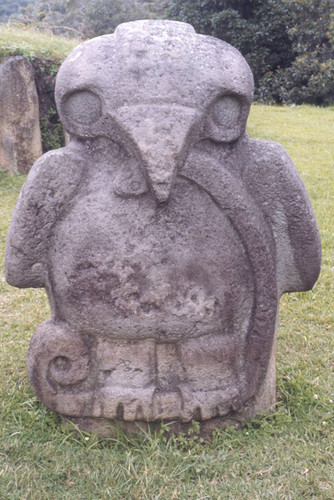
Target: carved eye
x,y
223,122
83,107
226,111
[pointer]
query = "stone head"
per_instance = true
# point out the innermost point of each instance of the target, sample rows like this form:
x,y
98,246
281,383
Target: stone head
x,y
158,88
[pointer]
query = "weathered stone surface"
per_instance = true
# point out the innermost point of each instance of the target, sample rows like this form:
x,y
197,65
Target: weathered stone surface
x,y
163,235
20,137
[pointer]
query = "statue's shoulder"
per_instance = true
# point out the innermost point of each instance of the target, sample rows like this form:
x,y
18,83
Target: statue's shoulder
x,y
56,170
270,169
270,153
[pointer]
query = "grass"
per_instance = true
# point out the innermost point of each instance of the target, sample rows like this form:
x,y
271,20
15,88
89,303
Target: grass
x,y
20,40
286,455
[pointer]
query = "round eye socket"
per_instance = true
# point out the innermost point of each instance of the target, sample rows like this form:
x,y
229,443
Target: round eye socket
x,y
226,111
224,122
83,107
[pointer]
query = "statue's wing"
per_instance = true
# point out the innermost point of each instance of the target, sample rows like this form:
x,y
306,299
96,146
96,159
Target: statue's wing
x,y
50,185
274,182
230,193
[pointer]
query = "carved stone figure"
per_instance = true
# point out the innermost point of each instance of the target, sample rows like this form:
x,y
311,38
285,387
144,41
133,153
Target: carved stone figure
x,y
163,236
20,136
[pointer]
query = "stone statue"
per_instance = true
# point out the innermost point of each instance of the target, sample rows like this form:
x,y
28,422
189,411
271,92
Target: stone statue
x,y
163,236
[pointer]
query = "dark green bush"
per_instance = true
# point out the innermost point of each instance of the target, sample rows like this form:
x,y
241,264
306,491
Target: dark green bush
x,y
309,78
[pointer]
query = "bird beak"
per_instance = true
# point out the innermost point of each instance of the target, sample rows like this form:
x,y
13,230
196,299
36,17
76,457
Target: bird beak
x,y
161,135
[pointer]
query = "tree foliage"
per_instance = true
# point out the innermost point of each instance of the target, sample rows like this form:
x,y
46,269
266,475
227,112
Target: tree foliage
x,y
9,7
310,76
89,18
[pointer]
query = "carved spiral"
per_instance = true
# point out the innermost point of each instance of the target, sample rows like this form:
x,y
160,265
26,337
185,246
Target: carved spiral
x,y
57,360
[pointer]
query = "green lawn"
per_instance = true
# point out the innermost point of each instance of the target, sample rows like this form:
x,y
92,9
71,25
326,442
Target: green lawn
x,y
287,455
17,40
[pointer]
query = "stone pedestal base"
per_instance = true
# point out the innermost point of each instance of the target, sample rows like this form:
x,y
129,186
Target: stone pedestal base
x,y
139,384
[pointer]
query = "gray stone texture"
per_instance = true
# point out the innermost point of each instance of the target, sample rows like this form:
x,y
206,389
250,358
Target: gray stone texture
x,y
20,137
162,234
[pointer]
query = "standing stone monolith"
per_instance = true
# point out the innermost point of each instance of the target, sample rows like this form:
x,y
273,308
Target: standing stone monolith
x,y
163,235
20,136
